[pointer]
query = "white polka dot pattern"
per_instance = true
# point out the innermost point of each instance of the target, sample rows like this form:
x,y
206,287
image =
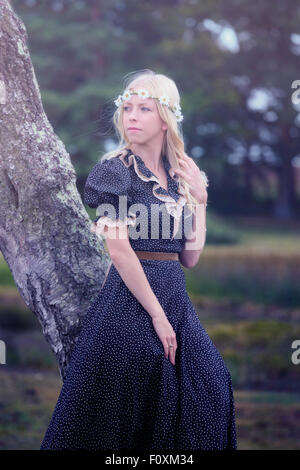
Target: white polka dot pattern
x,y
120,392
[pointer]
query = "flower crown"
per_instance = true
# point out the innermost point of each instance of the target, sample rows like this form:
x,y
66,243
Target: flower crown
x,y
164,99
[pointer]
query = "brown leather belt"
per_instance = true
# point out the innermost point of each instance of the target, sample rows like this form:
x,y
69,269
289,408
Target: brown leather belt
x,y
157,255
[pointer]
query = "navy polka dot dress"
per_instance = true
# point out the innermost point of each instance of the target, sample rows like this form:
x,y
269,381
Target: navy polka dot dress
x,y
120,391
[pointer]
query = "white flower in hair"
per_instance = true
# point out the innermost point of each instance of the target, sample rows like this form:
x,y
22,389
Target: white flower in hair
x,y
118,101
143,93
126,95
178,116
177,107
164,99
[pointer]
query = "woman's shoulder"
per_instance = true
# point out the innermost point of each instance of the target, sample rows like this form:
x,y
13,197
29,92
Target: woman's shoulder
x,y
115,163
111,170
107,176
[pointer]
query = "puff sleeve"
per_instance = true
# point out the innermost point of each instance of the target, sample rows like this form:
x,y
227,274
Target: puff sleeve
x,y
107,189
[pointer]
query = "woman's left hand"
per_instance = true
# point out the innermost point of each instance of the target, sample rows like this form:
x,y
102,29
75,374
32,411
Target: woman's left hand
x,y
190,172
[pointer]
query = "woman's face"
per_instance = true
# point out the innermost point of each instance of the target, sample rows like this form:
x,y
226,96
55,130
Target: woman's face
x,y
142,113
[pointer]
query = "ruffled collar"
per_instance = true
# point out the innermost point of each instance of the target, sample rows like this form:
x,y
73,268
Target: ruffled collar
x,y
146,174
173,198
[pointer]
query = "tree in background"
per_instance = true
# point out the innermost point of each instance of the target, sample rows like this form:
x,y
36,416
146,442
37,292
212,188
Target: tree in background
x,y
234,60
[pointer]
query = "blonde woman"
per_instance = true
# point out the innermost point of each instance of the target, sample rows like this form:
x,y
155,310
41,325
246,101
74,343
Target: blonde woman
x,y
144,373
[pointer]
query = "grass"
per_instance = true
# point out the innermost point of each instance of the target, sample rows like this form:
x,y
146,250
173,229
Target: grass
x,y
264,267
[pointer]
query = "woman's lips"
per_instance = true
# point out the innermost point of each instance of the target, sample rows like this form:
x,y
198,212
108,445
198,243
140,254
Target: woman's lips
x,y
133,129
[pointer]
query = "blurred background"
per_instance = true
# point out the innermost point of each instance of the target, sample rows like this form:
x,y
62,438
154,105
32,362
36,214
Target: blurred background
x,y
234,63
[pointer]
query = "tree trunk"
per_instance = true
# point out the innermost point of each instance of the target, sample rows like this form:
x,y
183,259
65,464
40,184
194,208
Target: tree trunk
x,y
57,263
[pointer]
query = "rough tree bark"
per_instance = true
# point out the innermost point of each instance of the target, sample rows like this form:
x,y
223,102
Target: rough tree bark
x,y
57,263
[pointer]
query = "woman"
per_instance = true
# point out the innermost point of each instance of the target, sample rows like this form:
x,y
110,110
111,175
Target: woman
x,y
144,374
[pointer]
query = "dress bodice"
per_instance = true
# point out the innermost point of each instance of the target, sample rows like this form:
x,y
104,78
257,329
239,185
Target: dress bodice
x,y
126,191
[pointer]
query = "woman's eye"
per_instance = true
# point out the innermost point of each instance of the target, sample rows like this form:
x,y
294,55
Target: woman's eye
x,y
144,107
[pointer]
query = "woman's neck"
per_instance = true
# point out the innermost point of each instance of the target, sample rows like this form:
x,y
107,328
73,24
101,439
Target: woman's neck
x,y
153,161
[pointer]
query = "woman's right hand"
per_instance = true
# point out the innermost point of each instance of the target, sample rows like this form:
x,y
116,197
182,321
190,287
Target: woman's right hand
x,y
166,334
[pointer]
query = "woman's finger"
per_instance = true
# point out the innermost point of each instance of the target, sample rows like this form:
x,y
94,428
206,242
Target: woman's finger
x,y
166,348
184,156
185,165
182,173
172,351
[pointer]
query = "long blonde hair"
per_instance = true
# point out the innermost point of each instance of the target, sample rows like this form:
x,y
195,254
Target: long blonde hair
x,y
173,144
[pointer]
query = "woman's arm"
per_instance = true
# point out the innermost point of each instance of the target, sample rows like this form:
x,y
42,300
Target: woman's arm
x,y
130,269
198,182
193,247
